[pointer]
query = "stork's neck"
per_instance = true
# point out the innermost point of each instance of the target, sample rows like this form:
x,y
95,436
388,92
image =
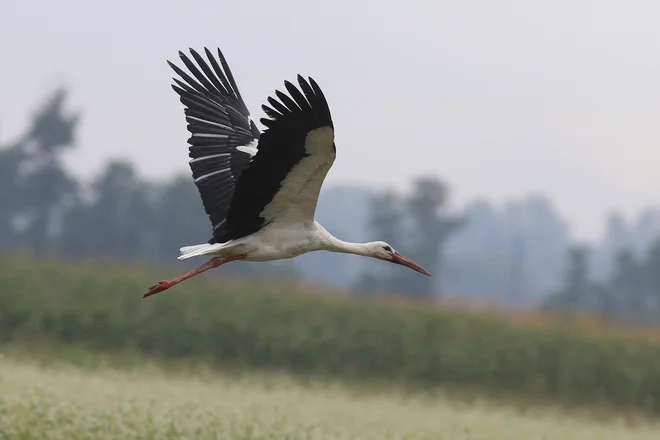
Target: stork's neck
x,y
329,242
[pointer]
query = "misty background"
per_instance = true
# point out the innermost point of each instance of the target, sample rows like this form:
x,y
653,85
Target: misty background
x,y
509,147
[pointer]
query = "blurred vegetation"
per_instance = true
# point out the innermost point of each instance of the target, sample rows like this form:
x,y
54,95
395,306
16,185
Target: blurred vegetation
x,y
63,402
47,211
418,225
631,292
515,258
121,216
271,325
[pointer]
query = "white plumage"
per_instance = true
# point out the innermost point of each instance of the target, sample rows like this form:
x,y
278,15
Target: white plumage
x,y
260,190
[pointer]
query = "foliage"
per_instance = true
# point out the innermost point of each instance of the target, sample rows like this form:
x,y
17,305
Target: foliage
x,y
513,257
34,187
68,403
632,292
275,326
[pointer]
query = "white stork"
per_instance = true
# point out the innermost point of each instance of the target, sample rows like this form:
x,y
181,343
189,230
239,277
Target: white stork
x,y
259,189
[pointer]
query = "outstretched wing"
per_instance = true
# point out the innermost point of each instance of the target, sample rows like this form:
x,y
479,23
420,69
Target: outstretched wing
x,y
283,180
223,137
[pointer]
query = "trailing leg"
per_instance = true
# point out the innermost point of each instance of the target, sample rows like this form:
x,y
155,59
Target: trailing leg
x,y
211,264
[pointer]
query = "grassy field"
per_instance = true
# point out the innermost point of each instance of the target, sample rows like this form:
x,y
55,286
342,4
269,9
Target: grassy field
x,y
266,325
65,402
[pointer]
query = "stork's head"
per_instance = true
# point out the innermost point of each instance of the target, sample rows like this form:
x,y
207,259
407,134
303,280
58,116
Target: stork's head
x,y
383,251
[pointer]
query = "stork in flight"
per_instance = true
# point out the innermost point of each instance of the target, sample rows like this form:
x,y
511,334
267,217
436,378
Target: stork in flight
x,y
259,189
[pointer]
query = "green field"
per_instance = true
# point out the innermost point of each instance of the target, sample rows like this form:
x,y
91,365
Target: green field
x,y
64,402
269,326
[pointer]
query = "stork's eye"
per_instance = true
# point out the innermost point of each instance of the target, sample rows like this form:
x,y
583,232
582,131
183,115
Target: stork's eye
x,y
387,248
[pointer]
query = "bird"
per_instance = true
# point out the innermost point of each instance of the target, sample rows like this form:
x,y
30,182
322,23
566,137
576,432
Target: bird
x,y
259,188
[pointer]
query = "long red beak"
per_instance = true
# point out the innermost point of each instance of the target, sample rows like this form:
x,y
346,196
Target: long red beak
x,y
405,261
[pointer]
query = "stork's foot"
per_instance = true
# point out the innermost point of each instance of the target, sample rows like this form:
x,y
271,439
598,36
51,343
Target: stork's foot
x,y
158,287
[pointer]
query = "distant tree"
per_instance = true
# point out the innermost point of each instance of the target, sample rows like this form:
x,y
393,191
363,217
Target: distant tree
x,y
518,251
385,220
576,277
430,226
577,290
632,292
616,230
38,188
52,130
118,220
516,289
180,218
625,286
10,160
386,217
417,225
649,292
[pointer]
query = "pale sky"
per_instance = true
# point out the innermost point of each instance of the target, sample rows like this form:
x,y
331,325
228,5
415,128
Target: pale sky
x,y
500,98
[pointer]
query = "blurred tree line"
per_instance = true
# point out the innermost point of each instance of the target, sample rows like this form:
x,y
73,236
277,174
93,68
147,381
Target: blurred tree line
x,y
630,293
44,210
512,257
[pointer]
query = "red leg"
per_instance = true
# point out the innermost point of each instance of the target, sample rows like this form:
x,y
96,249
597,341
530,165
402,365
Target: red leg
x,y
211,264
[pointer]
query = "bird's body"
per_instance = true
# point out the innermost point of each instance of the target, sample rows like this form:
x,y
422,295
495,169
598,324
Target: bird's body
x,y
276,242
259,189
273,242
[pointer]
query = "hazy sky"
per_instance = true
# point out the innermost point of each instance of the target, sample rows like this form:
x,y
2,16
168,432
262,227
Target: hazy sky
x,y
500,98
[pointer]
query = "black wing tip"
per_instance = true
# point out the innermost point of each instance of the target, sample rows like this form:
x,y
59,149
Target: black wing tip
x,y
214,78
307,98
193,52
315,86
176,88
207,51
186,59
271,113
310,84
302,81
209,54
